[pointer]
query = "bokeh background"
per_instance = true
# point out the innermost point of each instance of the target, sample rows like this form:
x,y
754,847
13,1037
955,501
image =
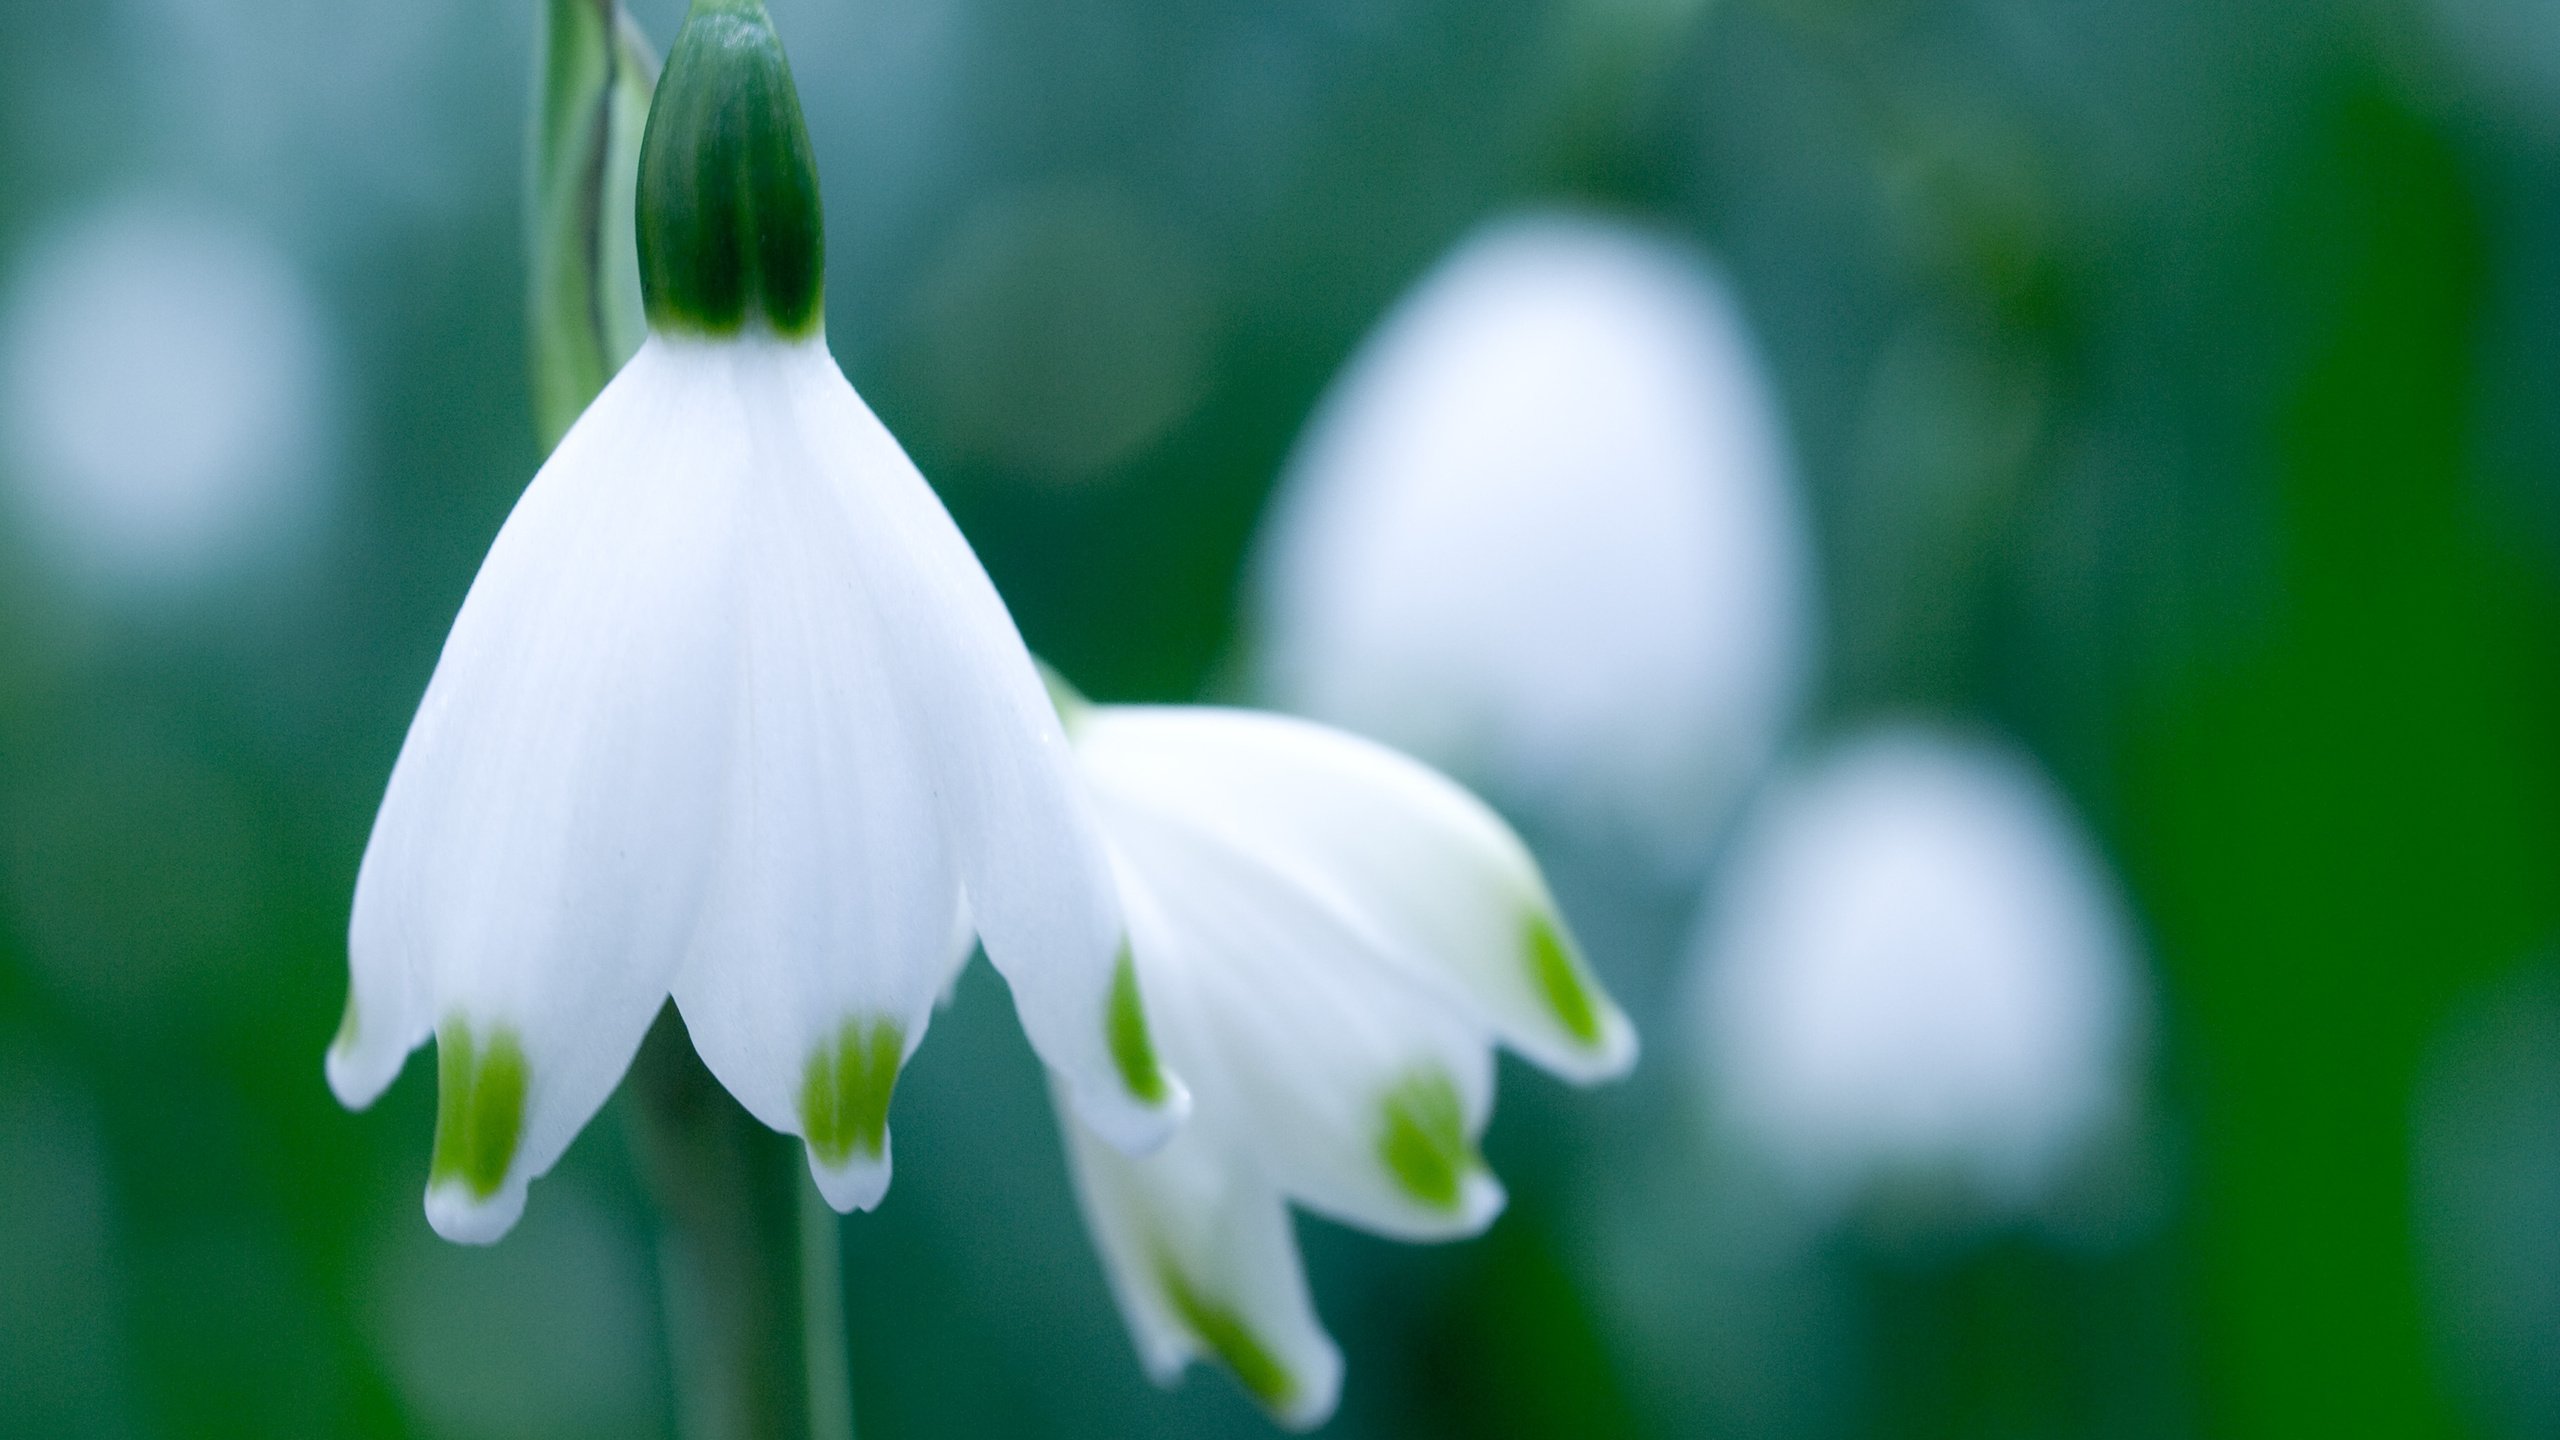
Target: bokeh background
x,y
2171,389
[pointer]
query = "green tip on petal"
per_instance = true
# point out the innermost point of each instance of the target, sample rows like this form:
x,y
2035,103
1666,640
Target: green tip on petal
x,y
1560,981
1064,697
1133,1051
346,1036
1424,1139
728,221
480,1089
844,1092
1226,1335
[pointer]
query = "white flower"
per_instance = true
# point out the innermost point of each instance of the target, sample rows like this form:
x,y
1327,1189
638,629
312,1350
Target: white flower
x,y
1332,938
731,713
1543,532
1915,962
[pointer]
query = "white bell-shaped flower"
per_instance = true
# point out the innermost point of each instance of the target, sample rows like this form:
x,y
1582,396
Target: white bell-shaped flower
x,y
1332,939
732,713
1915,963
1543,532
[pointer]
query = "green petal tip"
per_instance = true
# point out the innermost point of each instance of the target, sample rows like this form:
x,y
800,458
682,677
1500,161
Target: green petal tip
x,y
1225,1335
1568,994
845,1090
480,1098
345,1039
1133,1050
1064,697
1423,1140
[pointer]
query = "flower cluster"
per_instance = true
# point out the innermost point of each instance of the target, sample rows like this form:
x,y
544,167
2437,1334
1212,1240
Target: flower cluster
x,y
732,715
1544,531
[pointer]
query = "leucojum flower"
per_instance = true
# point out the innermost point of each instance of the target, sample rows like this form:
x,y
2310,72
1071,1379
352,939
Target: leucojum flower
x,y
1543,532
1334,938
731,713
1916,962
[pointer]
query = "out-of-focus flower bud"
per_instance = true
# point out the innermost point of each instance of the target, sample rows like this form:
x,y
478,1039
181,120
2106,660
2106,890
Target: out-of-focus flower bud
x,y
1915,965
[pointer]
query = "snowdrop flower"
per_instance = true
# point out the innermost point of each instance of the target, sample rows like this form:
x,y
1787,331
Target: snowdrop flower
x,y
731,712
1543,532
1915,962
1332,938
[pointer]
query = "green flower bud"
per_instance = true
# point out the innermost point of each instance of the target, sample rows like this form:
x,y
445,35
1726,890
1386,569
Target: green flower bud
x,y
593,74
729,228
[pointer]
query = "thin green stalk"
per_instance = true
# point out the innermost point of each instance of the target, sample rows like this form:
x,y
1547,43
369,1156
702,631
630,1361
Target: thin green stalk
x,y
748,1259
822,1341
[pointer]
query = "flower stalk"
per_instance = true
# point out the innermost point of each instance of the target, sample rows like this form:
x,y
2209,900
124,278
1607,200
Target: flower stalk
x,y
593,77
748,1258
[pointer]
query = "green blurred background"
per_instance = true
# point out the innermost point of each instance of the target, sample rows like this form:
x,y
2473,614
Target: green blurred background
x,y
2173,387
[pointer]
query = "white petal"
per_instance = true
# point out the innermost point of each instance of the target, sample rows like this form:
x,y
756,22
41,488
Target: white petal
x,y
1432,875
1013,809
1363,1093
1204,1261
386,1017
827,934
532,877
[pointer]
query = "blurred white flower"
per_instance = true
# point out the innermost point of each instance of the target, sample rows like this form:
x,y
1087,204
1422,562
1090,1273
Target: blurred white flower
x,y
1914,963
162,398
1332,939
1543,532
731,712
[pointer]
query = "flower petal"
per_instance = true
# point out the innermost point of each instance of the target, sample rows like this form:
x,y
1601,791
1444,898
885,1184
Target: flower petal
x,y
1440,883
1203,1259
532,875
1364,1094
1013,808
828,932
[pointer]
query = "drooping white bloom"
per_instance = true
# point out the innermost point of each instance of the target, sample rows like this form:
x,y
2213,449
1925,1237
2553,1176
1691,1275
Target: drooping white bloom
x,y
731,712
1915,962
1543,532
1332,939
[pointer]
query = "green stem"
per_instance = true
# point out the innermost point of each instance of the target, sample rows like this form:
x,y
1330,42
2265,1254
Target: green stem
x,y
822,1344
747,1257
